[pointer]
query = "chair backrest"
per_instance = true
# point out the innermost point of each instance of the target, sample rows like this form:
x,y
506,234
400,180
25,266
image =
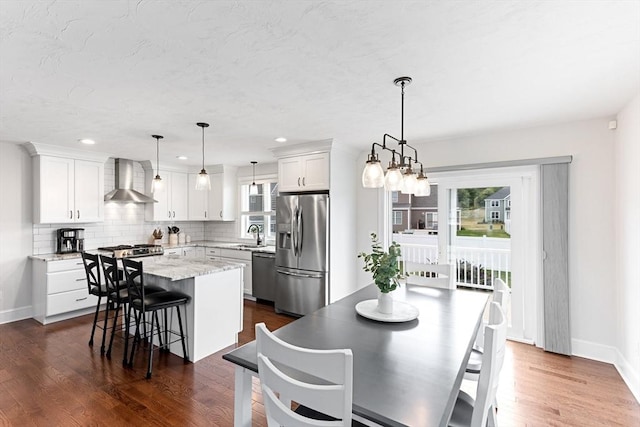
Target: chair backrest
x,y
92,270
134,276
110,272
500,286
495,339
329,393
434,275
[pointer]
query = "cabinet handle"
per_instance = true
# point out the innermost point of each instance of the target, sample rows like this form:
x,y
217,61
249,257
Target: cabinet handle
x,y
81,299
298,181
174,214
169,214
220,214
303,184
79,263
70,214
78,213
81,280
205,214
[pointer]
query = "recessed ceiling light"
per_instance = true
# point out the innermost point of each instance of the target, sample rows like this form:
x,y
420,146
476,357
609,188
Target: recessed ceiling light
x,y
87,141
281,139
181,157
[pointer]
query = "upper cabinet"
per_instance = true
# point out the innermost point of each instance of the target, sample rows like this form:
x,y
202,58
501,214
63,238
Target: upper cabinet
x,y
308,172
198,200
223,194
172,199
67,188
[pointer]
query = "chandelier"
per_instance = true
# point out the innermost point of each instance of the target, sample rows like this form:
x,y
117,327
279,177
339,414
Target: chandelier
x,y
400,175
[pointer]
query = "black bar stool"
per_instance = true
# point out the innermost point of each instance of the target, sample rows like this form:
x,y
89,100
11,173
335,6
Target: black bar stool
x,y
119,295
92,269
143,302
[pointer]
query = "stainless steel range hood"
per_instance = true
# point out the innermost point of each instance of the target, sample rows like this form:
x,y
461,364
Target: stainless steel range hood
x,y
124,191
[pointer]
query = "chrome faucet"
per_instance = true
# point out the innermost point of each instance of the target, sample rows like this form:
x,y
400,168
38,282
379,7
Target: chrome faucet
x,y
255,228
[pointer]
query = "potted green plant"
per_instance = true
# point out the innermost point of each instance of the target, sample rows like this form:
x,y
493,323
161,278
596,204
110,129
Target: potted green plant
x,y
385,270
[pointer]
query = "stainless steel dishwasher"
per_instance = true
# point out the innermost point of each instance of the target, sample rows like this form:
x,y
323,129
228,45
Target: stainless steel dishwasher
x,y
263,270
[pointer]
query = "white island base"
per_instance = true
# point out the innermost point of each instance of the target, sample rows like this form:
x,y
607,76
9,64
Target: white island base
x,y
214,314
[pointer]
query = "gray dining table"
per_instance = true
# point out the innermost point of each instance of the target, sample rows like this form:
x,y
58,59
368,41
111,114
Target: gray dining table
x,y
404,374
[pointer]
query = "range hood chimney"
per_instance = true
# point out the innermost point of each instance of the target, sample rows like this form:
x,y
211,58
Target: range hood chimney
x,y
124,191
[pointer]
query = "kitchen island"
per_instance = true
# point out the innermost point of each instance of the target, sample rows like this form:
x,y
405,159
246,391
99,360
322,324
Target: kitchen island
x,y
214,315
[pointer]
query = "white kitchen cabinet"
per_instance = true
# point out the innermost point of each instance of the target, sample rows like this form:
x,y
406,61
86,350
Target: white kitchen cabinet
x,y
68,190
198,200
243,257
223,195
172,200
309,172
60,290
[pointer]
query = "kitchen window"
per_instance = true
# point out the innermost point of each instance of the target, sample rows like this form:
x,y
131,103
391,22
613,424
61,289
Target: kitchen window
x,y
259,209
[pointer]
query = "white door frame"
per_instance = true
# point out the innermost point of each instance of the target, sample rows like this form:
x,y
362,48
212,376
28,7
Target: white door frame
x,y
525,242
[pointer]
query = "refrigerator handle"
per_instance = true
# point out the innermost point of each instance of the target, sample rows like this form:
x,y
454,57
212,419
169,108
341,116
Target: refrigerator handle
x,y
308,276
300,235
294,232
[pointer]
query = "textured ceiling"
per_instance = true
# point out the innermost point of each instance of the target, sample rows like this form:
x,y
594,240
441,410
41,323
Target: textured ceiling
x,y
119,71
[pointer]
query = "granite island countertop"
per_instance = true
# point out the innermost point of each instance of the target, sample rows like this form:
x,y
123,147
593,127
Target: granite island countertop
x,y
178,267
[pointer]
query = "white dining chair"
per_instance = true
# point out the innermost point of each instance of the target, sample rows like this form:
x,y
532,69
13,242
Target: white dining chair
x,y
320,381
474,365
433,275
481,411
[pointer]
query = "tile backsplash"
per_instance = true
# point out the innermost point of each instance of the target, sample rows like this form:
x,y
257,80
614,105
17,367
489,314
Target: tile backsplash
x,y
124,223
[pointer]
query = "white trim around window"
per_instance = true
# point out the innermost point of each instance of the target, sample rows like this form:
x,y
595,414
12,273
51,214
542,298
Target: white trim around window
x,y
258,209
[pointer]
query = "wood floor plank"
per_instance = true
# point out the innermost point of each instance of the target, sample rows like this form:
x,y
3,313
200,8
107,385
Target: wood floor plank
x,y
50,376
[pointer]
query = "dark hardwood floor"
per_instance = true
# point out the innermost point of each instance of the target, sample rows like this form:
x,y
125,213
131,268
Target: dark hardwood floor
x,y
50,376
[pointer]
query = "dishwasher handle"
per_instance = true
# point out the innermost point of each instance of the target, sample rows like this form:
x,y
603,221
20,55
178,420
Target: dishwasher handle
x,y
263,255
309,276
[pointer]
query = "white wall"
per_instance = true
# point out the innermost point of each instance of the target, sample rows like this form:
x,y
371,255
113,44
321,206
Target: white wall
x,y
591,214
15,232
627,242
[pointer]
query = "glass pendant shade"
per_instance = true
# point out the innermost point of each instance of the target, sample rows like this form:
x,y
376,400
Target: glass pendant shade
x,y
424,187
409,182
157,184
253,189
203,182
372,175
393,179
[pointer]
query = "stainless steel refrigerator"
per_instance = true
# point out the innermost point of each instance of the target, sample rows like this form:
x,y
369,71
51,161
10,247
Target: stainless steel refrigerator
x,y
302,253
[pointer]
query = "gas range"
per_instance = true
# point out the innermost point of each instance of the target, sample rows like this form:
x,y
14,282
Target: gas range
x,y
132,251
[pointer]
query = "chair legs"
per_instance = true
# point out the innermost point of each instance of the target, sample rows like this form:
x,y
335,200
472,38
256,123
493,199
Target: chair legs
x,y
161,332
95,320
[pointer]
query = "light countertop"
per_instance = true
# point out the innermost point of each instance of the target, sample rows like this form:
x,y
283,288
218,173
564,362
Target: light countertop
x,y
198,243
175,267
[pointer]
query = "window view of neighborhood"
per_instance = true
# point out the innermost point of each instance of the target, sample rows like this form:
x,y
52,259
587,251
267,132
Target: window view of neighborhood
x,y
484,212
481,245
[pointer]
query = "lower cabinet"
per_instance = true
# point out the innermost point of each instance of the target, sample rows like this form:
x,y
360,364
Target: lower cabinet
x,y
60,290
233,255
243,257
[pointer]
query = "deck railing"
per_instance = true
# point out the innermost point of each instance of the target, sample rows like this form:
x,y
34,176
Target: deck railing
x,y
475,267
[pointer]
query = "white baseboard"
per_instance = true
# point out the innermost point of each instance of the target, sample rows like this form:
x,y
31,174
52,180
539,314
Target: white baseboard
x,y
594,351
611,355
15,314
629,375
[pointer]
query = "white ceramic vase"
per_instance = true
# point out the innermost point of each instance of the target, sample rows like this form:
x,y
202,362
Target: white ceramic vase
x,y
385,302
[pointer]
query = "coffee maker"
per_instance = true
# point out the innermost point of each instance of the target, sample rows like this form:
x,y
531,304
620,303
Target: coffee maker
x,y
70,240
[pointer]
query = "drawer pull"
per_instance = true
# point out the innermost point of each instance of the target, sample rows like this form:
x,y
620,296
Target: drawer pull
x,y
81,299
81,280
78,263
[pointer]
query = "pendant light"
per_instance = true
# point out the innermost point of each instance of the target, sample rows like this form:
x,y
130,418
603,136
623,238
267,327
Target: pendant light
x,y
399,175
203,182
253,188
156,184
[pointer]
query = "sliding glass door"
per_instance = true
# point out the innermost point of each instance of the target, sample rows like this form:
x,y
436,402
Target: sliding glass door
x,y
484,223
